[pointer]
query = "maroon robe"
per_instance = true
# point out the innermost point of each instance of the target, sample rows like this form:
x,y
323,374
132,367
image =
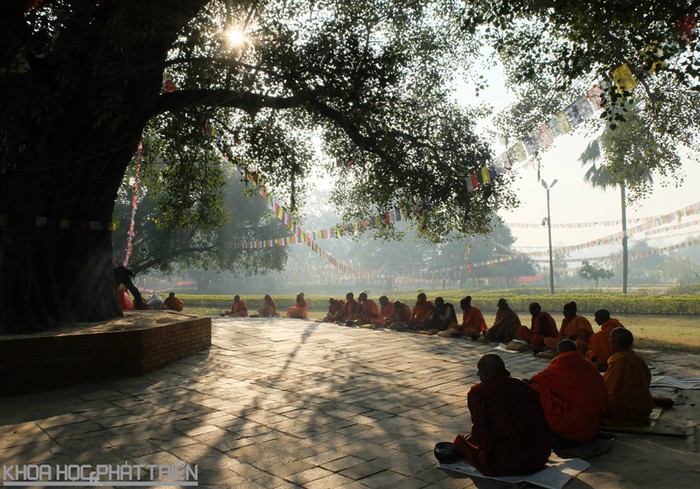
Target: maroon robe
x,y
509,435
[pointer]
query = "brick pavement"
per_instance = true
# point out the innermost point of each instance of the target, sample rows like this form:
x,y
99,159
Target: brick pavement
x,y
291,403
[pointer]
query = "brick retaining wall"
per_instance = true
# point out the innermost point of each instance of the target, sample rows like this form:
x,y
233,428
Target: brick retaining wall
x,y
34,363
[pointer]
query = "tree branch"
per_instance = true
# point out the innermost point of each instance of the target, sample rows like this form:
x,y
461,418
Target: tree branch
x,y
250,102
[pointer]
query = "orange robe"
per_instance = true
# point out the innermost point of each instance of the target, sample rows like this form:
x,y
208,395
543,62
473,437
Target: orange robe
x,y
298,310
577,329
385,314
509,433
573,396
627,380
504,326
421,313
369,312
542,326
333,309
599,344
173,303
349,311
473,322
239,308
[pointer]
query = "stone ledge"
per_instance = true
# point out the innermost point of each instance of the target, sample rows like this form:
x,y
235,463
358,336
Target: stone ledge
x,y
139,342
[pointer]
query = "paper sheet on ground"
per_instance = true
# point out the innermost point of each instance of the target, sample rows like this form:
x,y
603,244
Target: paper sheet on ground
x,y
502,347
666,381
554,476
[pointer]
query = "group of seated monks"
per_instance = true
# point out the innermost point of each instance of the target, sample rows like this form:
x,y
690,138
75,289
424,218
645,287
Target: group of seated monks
x,y
268,308
436,317
516,423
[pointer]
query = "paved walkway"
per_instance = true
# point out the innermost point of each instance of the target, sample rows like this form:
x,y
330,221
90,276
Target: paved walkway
x,y
293,403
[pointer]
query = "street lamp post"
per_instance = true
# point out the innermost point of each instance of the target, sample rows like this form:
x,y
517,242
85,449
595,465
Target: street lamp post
x,y
549,232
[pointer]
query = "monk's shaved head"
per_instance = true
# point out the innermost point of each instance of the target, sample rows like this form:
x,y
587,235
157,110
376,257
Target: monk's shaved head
x,y
491,365
566,345
621,339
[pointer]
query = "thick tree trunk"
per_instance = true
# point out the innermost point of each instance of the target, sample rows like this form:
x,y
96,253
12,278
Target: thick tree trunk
x,y
83,106
625,250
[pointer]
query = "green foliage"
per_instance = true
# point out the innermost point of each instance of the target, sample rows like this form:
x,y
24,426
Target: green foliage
x,y
588,271
587,303
195,222
554,53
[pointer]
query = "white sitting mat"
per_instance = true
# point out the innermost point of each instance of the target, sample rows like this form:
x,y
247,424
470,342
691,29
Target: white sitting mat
x,y
555,475
666,381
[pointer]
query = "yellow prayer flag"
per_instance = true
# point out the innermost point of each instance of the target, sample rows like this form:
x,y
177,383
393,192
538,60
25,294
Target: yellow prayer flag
x,y
624,79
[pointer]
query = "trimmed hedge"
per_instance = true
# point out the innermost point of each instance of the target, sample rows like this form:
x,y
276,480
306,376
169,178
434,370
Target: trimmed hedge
x,y
486,301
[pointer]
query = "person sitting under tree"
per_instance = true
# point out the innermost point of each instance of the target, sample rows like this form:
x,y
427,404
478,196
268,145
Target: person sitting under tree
x,y
509,433
173,303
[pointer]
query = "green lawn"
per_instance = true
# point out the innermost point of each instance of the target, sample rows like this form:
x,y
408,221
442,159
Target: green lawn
x,y
651,331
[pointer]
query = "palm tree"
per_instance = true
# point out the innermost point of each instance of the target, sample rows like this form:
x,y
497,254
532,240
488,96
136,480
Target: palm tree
x,y
631,141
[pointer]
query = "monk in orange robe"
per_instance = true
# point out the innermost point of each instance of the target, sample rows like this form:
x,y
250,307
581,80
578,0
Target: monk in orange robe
x,y
239,308
627,379
542,325
300,309
334,307
599,345
573,327
368,312
173,303
402,315
386,312
573,395
421,312
505,325
509,432
473,322
349,313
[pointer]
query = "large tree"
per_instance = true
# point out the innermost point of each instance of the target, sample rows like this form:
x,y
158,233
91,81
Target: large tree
x,y
80,79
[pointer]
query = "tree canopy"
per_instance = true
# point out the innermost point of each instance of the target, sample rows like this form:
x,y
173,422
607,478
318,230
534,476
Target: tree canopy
x,y
643,55
362,87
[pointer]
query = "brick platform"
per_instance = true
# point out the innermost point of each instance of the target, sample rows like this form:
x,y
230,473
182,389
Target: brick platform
x,y
140,342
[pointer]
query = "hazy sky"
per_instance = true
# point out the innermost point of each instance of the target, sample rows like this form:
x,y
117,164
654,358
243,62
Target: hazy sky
x,y
573,200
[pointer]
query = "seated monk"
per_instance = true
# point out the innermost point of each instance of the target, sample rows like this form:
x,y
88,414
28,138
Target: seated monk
x,y
334,307
268,309
299,310
573,395
573,327
421,312
239,308
627,379
442,318
402,315
599,345
173,303
368,313
505,325
542,325
350,310
473,322
509,433
386,312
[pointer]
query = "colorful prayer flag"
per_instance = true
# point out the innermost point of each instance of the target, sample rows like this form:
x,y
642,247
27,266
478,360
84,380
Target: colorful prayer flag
x,y
595,97
584,107
485,175
558,124
531,144
687,27
516,153
573,115
624,79
543,133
